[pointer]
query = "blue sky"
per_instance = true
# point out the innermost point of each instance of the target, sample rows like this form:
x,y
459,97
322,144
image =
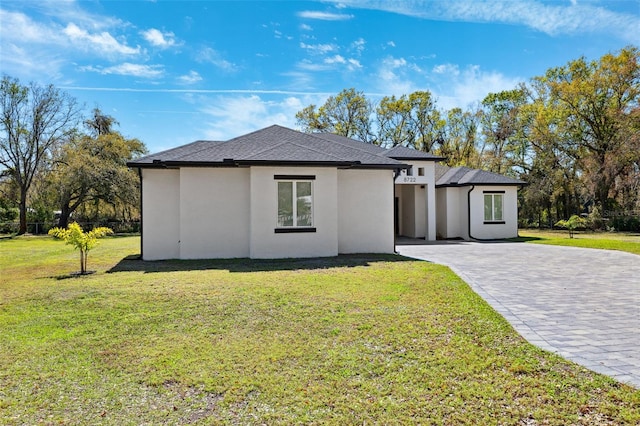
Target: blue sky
x,y
176,71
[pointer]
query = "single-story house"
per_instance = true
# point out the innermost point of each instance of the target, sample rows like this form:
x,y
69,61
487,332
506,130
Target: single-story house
x,y
277,193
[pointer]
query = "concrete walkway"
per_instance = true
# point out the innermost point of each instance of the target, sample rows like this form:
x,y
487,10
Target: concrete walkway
x,y
582,304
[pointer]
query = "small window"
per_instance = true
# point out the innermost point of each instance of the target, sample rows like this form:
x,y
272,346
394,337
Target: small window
x,y
420,171
410,171
295,204
493,207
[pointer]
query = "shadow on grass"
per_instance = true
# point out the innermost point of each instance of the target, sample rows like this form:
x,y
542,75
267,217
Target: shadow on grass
x,y
73,275
525,239
134,263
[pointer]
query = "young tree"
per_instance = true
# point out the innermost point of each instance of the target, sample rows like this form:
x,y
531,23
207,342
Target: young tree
x,y
33,120
83,241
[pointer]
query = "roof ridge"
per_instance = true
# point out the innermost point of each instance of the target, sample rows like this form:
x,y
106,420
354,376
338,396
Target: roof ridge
x,y
379,154
298,145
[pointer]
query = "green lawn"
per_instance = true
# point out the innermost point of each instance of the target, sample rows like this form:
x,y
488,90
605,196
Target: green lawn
x,y
348,340
601,240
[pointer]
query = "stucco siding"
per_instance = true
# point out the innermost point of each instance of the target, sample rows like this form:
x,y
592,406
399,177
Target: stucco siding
x,y
161,209
441,213
265,243
509,228
365,211
214,213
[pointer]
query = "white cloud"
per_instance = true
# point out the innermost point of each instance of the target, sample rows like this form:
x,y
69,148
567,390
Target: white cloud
x,y
230,116
450,69
391,43
136,70
102,42
21,28
337,59
305,27
320,49
552,18
159,39
214,57
470,86
359,45
191,78
397,76
324,16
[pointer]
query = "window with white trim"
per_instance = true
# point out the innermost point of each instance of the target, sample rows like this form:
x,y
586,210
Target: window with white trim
x,y
295,204
493,207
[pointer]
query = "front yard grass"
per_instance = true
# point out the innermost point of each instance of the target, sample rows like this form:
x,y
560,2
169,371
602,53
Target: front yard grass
x,y
628,242
348,340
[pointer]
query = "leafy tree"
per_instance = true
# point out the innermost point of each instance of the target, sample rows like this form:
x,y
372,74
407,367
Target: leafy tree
x,y
507,147
33,120
460,138
346,114
92,168
599,98
83,241
412,121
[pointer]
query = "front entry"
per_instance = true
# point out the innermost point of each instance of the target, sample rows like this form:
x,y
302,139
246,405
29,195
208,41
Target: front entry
x,y
411,211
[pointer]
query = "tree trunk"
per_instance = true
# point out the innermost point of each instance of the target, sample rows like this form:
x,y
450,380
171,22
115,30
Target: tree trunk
x,y
83,262
65,213
23,212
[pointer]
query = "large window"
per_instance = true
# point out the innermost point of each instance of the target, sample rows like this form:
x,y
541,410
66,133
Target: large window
x,y
295,204
493,207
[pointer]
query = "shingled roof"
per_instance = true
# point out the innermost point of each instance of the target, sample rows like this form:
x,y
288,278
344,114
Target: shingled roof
x,y
464,176
277,145
403,153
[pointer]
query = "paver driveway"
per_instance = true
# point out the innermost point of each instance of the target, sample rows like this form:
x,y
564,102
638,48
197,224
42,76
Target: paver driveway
x,y
583,304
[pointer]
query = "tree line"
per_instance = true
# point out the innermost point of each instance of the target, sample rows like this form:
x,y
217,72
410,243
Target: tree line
x,y
572,134
57,163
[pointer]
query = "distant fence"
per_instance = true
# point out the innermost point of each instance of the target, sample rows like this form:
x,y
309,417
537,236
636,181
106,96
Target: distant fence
x,y
39,228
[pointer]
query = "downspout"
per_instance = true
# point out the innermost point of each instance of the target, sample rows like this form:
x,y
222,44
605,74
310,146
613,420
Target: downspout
x,y
396,173
469,217
141,215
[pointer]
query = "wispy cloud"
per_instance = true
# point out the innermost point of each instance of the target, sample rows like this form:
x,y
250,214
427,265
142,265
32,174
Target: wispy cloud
x,y
101,42
320,49
397,76
191,78
454,87
552,18
229,116
157,38
324,16
135,70
214,57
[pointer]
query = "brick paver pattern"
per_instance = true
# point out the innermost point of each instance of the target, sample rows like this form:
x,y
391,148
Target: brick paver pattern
x,y
582,304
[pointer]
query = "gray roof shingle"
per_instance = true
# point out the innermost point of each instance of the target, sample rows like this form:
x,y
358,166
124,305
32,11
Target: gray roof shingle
x,y
275,144
464,176
403,153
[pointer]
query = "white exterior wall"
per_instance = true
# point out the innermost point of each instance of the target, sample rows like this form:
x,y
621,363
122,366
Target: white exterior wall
x,y
161,210
365,211
494,231
265,243
441,213
214,213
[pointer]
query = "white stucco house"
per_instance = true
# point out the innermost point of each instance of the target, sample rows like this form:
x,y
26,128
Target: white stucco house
x,y
278,193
